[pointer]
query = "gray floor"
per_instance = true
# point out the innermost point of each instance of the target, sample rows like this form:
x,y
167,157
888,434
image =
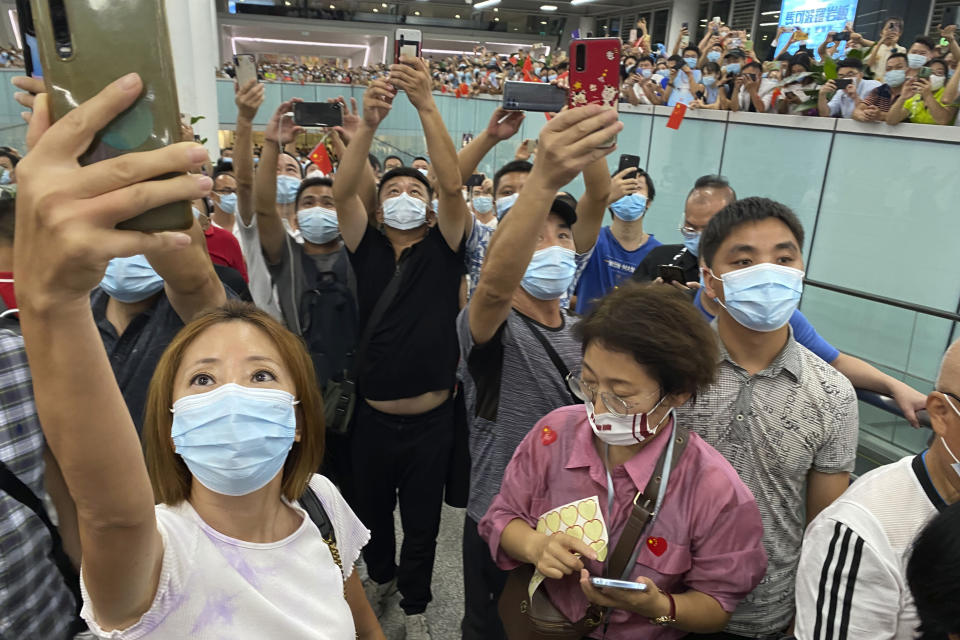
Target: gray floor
x,y
446,610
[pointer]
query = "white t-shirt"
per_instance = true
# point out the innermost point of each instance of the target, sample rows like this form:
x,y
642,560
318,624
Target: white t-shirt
x,y
261,285
212,586
851,581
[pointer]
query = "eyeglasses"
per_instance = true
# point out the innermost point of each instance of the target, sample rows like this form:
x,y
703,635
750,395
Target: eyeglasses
x,y
614,404
688,231
952,395
223,192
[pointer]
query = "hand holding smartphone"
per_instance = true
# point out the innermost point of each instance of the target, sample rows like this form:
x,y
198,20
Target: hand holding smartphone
x,y
595,74
407,42
246,66
617,584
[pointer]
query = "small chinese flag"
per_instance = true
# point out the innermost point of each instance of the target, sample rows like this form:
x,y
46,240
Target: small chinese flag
x,y
321,158
463,90
528,71
676,117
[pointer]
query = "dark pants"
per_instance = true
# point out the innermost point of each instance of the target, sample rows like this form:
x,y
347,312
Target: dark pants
x,y
730,636
336,462
407,456
483,583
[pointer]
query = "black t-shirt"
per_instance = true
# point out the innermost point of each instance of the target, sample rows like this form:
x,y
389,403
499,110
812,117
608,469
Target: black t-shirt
x,y
135,354
414,349
675,254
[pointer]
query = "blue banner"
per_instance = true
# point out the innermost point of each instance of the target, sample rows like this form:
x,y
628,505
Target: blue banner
x,y
816,18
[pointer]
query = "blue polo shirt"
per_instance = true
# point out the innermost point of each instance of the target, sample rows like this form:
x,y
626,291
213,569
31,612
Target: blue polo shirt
x,y
609,264
803,332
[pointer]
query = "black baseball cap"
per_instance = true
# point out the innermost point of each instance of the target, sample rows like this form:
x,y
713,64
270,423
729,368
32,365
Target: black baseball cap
x,y
565,206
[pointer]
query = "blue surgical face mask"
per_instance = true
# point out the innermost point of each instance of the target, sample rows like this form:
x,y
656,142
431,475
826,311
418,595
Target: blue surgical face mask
x,y
916,60
691,62
709,81
552,77
713,56
287,187
318,225
733,68
550,273
692,243
424,172
234,439
131,279
956,463
504,204
895,77
435,205
646,73
762,297
404,212
5,177
228,203
197,213
483,204
630,207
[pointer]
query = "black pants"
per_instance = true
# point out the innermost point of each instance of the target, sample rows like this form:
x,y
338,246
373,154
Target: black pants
x,y
483,583
407,456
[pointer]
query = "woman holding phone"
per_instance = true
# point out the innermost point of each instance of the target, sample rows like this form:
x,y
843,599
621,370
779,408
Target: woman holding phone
x,y
645,352
232,430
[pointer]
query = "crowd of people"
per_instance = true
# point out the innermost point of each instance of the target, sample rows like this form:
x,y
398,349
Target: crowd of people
x,y
224,419
890,80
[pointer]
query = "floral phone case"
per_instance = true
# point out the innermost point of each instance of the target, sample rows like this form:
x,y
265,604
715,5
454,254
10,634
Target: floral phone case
x,y
595,73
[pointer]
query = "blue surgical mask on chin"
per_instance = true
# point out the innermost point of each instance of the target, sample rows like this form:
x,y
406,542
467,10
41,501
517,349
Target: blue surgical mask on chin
x,y
287,187
228,203
504,204
762,297
483,204
131,279
630,207
692,243
234,439
318,225
550,273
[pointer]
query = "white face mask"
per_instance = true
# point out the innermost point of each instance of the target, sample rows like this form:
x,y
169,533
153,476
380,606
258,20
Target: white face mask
x,y
956,462
936,82
623,431
404,212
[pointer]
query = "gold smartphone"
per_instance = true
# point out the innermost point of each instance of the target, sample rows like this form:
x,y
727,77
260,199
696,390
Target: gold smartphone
x,y
87,44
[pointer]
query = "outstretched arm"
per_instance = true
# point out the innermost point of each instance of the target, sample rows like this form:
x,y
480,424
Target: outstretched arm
x,y
593,204
65,235
280,130
249,99
471,155
351,213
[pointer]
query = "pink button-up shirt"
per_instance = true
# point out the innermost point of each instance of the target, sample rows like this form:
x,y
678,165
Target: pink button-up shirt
x,y
709,523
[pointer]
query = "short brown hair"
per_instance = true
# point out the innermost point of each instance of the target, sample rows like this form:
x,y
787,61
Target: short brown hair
x,y
661,329
168,473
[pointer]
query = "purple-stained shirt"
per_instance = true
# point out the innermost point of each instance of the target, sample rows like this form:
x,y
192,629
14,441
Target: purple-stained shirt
x,y
709,523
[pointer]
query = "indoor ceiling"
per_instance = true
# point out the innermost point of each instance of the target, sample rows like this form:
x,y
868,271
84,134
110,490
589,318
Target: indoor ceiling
x,y
528,6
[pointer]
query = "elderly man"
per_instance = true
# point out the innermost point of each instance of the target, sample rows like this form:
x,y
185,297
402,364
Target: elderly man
x,y
851,581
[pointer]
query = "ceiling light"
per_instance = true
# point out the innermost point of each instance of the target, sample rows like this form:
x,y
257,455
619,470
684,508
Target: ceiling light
x,y
333,7
486,3
768,24
580,1
495,9
457,16
375,10
496,19
548,7
770,13
416,13
543,22
383,4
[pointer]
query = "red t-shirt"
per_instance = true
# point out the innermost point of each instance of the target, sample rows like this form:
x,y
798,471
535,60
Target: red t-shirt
x,y
6,289
224,250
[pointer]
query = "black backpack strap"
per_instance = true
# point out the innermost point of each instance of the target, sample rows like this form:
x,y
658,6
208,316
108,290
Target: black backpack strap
x,y
379,309
552,353
16,489
314,508
312,276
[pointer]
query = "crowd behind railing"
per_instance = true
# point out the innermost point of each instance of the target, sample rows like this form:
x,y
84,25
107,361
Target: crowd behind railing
x,y
892,79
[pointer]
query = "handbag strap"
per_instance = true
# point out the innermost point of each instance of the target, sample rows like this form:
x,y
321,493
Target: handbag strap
x,y
379,309
19,491
551,353
644,505
314,508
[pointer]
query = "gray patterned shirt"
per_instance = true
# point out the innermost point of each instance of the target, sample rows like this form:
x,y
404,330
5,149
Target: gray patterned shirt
x,y
797,415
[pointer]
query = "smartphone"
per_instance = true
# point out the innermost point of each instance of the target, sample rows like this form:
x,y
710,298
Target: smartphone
x,y
842,83
618,584
671,273
87,44
685,40
924,72
318,114
407,42
246,66
533,96
595,74
634,36
476,180
841,37
628,161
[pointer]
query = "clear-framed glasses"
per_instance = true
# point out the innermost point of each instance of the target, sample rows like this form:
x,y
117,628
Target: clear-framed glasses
x,y
614,404
689,232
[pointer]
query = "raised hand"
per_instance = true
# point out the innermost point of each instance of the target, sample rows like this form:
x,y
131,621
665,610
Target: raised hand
x,y
413,76
351,118
573,139
621,185
248,98
67,214
280,127
377,102
507,128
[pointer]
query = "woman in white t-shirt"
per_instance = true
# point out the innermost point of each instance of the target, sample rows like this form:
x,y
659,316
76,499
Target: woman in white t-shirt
x,y
233,428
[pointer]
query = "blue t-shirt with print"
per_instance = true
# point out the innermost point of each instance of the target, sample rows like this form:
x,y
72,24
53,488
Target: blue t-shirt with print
x,y
609,264
803,332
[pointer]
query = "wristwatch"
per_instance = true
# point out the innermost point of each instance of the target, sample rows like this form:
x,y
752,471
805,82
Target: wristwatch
x,y
670,617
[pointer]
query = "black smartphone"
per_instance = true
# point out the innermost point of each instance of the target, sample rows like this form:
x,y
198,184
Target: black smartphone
x,y
318,114
628,161
842,82
700,95
476,180
924,72
533,96
842,36
671,273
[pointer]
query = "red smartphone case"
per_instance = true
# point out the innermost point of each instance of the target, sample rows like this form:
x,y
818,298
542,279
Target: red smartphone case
x,y
599,81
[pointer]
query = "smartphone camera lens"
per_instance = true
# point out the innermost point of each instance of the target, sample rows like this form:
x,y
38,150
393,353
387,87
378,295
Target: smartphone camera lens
x,y
61,30
581,54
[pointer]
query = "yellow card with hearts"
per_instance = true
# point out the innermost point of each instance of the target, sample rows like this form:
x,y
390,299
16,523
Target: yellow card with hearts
x,y
581,519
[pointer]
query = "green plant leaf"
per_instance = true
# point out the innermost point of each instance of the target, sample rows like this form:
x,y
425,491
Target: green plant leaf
x,y
203,141
830,68
195,119
856,53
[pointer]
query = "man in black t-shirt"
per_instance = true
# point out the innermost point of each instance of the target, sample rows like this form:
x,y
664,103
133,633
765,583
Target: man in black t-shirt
x,y
709,194
403,424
